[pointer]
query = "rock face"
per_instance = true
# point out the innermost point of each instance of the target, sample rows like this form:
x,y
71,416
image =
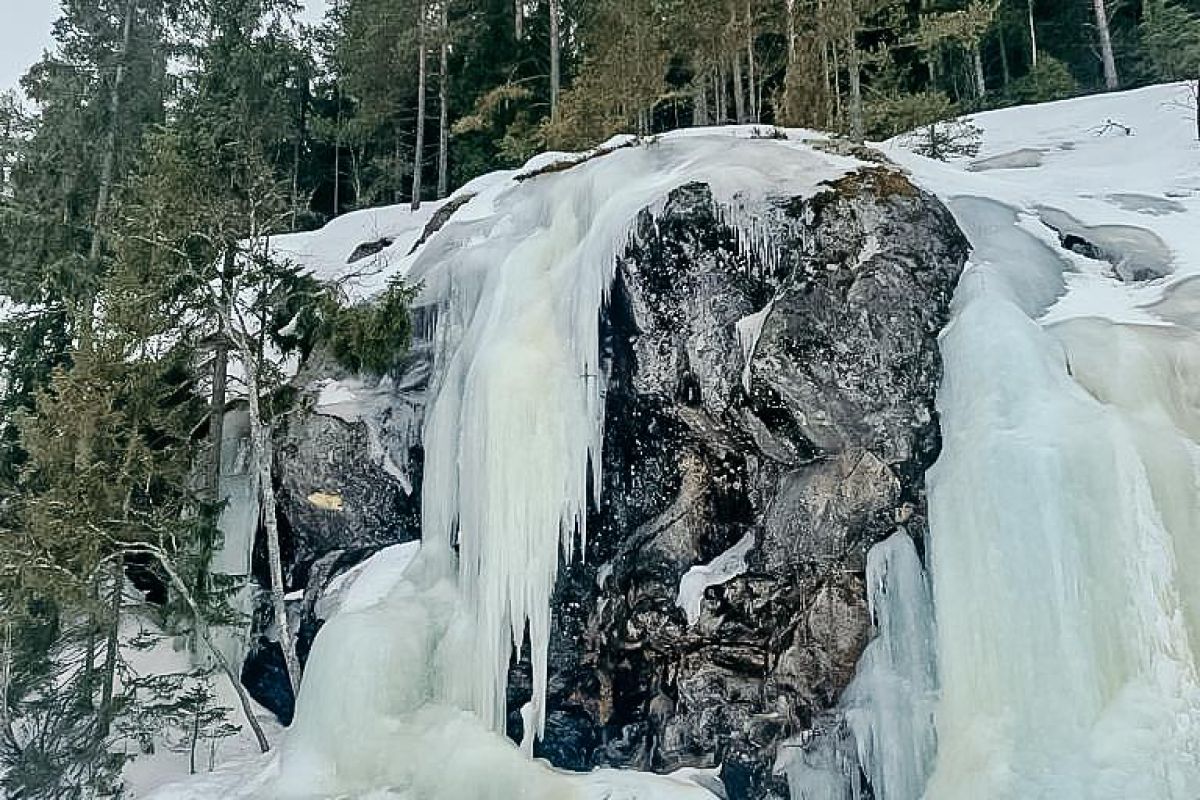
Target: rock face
x,y
817,451
347,478
771,391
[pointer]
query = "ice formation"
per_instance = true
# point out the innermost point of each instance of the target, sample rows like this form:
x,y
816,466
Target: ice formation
x,y
1066,603
515,426
512,438
1065,505
721,569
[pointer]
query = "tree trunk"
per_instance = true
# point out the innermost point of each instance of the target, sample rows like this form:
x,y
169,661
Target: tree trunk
x,y
1033,45
739,95
1005,73
519,19
837,83
419,154
555,53
856,100
195,737
216,413
751,72
110,650
337,153
791,31
443,102
108,161
301,135
977,68
9,746
700,102
1111,80
261,458
722,98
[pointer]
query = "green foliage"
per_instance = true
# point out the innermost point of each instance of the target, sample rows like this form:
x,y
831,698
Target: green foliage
x,y
902,112
372,337
1171,42
1051,79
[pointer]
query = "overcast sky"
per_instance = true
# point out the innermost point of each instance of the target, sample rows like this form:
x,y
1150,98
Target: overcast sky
x,y
25,33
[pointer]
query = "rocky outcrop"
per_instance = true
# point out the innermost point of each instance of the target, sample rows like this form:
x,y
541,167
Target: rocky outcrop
x,y
771,371
817,450
347,478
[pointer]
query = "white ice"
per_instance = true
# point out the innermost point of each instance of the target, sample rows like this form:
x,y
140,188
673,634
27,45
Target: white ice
x,y
1064,508
722,569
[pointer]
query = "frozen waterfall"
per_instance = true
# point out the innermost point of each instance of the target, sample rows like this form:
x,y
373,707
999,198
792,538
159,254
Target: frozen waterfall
x,y
1064,512
407,690
1065,534
884,727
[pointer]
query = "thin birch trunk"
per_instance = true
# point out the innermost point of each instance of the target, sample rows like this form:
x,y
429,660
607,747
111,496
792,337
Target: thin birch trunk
x,y
419,149
752,72
1033,45
262,457
700,103
856,100
518,19
337,154
555,53
1111,79
739,96
837,83
977,69
443,187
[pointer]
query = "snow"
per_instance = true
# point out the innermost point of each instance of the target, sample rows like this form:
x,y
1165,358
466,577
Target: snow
x,y
722,569
169,655
325,254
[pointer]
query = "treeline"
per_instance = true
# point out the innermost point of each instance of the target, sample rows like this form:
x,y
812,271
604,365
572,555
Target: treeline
x,y
163,144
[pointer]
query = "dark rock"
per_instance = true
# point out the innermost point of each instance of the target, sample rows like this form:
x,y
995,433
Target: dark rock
x,y
368,249
818,456
822,457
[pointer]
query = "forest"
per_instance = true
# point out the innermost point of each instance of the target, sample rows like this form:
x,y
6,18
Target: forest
x,y
160,145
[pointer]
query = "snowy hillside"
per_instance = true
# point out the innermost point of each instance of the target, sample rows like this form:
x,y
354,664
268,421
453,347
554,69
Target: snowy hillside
x,y
1061,658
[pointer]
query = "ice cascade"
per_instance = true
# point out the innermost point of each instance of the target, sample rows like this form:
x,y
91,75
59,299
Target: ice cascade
x,y
400,688
1064,514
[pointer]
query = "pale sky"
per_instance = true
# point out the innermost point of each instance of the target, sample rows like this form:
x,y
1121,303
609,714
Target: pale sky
x,y
25,33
